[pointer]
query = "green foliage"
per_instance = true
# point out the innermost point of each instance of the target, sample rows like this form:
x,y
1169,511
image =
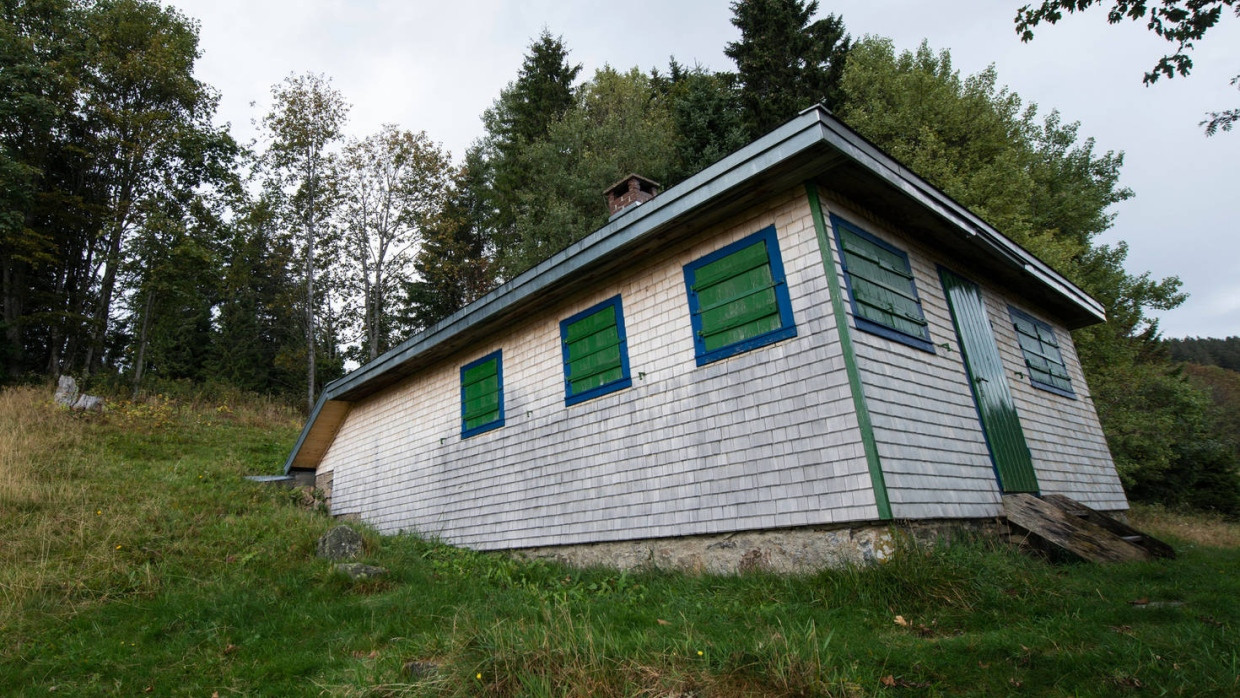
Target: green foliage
x,y
106,139
257,319
455,264
521,116
1223,387
707,119
1181,22
1164,435
1206,351
785,62
619,125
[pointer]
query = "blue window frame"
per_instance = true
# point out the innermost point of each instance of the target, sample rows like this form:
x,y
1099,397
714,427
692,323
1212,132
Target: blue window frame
x,y
738,299
1040,347
482,395
881,287
596,353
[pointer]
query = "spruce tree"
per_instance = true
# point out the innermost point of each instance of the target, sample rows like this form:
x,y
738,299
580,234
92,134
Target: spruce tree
x,y
522,116
785,62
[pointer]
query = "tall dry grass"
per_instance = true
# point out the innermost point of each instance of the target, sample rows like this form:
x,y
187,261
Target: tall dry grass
x,y
38,442
32,432
1199,528
83,494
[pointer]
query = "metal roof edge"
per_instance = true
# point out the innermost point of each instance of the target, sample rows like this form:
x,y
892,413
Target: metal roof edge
x,y
305,431
789,139
855,146
812,126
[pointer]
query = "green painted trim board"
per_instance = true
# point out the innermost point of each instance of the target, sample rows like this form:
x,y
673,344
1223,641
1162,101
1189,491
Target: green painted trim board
x,y
850,356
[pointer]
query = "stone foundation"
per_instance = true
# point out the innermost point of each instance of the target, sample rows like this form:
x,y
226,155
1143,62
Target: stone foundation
x,y
323,483
789,550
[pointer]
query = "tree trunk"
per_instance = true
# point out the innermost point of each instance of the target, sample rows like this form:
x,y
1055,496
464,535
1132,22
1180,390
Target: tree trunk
x,y
103,309
140,362
12,314
310,369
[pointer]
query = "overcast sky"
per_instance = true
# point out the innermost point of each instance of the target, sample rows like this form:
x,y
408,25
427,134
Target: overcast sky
x,y
435,66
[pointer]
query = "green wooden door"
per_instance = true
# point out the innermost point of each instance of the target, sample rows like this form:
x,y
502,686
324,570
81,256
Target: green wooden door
x,y
995,408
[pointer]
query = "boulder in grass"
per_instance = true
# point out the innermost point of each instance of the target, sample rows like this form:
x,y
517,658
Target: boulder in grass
x,y
340,543
68,395
418,669
359,572
66,392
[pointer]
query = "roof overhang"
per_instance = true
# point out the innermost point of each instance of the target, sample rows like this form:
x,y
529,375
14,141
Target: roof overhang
x,y
813,147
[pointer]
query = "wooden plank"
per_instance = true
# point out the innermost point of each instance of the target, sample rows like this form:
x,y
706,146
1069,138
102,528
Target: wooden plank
x,y
316,443
1074,534
1149,543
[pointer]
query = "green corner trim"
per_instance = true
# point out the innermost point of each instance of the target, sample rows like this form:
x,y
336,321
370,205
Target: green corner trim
x,y
850,356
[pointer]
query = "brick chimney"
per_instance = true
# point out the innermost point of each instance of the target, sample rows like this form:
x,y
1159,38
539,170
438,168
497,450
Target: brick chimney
x,y
630,191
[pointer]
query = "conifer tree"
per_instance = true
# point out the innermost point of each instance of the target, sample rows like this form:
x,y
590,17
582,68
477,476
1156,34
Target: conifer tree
x,y
785,60
520,117
619,125
706,116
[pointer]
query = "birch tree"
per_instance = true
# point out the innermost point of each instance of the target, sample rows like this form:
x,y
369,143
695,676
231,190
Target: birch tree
x,y
307,116
394,183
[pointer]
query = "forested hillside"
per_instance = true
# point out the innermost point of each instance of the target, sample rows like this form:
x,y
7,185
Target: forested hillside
x,y
1206,351
141,244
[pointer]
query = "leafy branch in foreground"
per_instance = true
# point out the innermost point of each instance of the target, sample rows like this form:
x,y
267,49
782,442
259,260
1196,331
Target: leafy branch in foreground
x,y
1181,22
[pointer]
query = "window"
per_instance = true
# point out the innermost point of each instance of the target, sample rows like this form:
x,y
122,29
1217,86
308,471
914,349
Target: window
x,y
881,287
482,395
1041,349
738,299
596,355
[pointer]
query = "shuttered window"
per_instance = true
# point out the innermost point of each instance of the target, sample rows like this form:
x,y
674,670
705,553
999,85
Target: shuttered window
x,y
482,395
1040,348
596,356
738,299
881,287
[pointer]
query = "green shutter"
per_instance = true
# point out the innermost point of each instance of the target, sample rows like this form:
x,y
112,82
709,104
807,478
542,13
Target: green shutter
x,y
592,345
736,297
1040,348
481,394
882,285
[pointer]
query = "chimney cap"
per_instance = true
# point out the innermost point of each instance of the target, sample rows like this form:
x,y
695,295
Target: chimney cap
x,y
629,192
622,185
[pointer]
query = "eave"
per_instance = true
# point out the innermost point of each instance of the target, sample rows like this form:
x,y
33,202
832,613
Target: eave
x,y
814,146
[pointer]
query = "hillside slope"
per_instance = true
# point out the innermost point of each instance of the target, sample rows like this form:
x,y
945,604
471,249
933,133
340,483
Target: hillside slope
x,y
135,560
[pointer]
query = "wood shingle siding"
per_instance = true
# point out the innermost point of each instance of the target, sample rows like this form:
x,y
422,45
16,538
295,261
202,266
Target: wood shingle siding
x,y
930,443
1069,450
934,455
720,395
763,439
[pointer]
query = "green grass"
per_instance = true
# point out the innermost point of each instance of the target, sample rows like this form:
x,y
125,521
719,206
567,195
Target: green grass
x,y
135,560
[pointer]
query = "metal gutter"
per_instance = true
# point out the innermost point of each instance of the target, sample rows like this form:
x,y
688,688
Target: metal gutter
x,y
868,155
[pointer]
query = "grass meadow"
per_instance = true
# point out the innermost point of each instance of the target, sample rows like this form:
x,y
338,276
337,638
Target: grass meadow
x,y
135,560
